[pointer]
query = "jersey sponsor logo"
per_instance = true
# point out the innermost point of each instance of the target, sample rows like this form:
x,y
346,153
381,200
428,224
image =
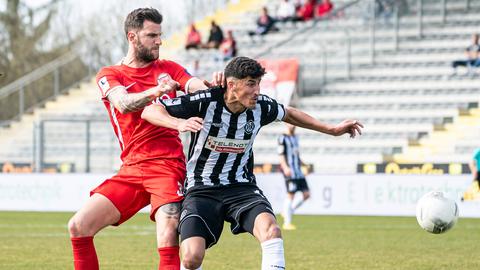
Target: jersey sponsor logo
x,y
103,83
225,145
249,126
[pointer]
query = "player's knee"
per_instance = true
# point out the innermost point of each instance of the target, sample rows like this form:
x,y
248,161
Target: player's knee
x,y
273,231
77,227
192,260
306,196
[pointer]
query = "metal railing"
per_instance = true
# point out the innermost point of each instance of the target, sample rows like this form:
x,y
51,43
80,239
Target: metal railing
x,y
40,85
75,139
374,22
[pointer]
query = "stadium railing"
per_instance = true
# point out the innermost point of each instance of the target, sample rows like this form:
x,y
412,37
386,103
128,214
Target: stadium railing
x,y
40,85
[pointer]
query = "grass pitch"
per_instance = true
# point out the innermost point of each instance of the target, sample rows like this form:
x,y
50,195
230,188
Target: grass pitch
x,y
40,241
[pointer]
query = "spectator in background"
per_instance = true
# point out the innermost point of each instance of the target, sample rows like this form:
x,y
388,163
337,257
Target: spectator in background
x,y
323,9
306,11
194,39
215,37
265,24
286,11
228,48
472,54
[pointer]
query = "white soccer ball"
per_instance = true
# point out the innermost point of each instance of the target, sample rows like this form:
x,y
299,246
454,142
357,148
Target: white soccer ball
x,y
436,213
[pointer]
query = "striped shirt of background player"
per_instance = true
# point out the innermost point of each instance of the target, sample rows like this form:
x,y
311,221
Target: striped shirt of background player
x,y
235,164
289,148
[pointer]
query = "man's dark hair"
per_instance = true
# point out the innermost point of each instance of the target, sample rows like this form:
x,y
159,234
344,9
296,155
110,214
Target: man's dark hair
x,y
136,18
242,67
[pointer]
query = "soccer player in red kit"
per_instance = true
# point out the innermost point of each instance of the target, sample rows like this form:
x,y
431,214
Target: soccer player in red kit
x,y
153,168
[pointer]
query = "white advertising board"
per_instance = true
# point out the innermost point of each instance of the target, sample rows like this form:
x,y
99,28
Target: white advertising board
x,y
358,194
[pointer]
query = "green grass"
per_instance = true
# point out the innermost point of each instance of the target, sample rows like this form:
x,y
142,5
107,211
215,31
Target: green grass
x,y
40,241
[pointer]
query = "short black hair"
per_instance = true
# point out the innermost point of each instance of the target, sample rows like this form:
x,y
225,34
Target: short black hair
x,y
137,17
241,67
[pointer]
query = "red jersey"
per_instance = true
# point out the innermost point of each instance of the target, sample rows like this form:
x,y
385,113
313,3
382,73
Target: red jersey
x,y
140,140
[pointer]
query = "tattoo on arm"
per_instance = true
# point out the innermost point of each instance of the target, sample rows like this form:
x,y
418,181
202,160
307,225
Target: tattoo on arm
x,y
125,102
171,210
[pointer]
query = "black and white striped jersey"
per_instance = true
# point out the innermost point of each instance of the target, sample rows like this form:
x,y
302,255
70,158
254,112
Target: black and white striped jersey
x,y
221,153
288,147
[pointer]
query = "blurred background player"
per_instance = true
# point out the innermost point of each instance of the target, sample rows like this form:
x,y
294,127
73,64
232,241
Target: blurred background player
x,y
153,168
291,166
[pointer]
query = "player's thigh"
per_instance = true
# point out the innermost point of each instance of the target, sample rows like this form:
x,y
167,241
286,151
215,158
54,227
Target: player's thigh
x,y
302,185
163,180
244,203
201,216
125,191
97,213
291,186
167,219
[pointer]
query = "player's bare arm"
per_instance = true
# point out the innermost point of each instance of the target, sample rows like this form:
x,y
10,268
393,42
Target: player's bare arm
x,y
301,119
284,166
131,102
157,115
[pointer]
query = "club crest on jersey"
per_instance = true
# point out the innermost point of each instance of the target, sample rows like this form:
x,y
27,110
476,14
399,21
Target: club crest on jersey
x,y
225,145
163,77
249,126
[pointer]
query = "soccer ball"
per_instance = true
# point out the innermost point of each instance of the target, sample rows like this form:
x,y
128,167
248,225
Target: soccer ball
x,y
436,213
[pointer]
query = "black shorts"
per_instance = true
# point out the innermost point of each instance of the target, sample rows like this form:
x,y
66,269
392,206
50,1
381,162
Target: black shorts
x,y
294,185
205,209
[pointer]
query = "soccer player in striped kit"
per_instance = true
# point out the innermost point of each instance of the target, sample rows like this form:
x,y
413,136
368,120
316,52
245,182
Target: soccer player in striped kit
x,y
291,166
220,184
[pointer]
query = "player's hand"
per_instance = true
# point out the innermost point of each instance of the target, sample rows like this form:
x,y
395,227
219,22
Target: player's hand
x,y
352,127
165,86
218,79
193,124
287,172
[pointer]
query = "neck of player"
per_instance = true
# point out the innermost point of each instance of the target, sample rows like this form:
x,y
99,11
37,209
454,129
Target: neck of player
x,y
131,61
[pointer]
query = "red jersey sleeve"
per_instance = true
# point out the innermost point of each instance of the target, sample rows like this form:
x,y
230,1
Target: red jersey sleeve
x,y
178,73
107,80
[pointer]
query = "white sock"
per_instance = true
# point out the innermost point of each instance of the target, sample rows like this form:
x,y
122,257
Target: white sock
x,y
287,211
298,202
272,254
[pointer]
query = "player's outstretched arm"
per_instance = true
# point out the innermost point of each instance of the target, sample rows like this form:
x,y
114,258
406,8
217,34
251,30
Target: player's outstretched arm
x,y
126,102
157,115
301,119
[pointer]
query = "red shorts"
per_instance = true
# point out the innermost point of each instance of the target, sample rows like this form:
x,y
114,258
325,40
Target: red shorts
x,y
156,182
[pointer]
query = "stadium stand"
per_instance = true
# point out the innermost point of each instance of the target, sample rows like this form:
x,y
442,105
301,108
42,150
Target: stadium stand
x,y
397,84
